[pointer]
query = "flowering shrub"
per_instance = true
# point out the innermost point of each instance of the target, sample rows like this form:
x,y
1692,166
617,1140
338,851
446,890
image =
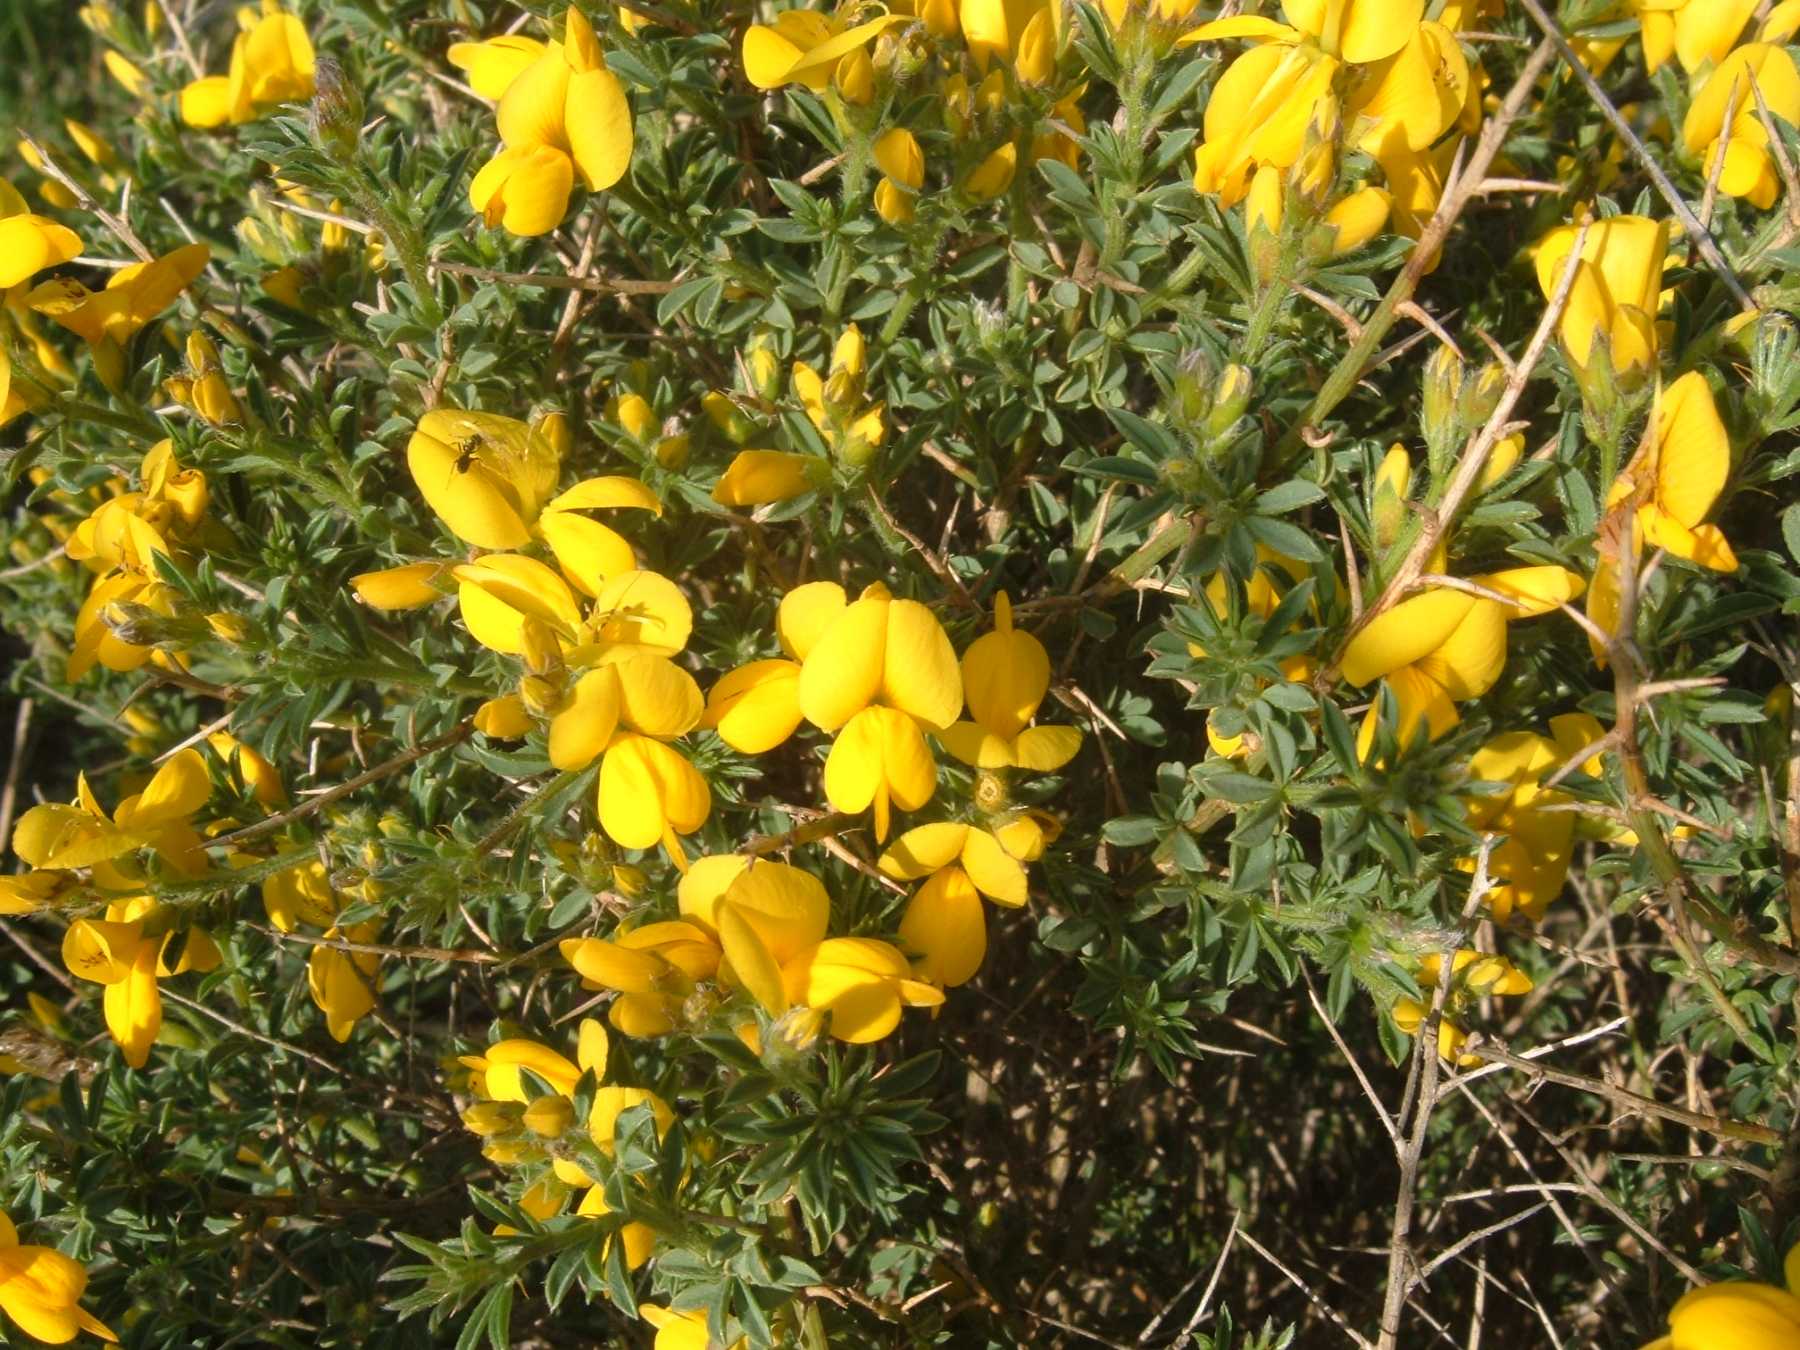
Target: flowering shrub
x,y
953,672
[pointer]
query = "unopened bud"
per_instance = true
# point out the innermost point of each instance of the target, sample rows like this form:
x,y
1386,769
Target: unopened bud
x,y
553,428
491,1119
1230,399
337,111
550,1116
1440,412
1387,505
672,452
855,78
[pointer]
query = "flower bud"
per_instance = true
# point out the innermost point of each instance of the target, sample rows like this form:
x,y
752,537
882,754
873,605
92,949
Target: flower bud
x,y
1387,505
724,415
337,111
228,627
493,1119
893,203
550,1116
763,368
1194,388
994,175
672,452
855,78
634,413
1501,461
1230,399
540,696
1440,412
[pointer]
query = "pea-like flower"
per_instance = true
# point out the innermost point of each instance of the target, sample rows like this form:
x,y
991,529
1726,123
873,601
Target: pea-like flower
x,y
107,319
943,922
1005,675
63,837
833,402
342,982
563,116
858,984
1527,868
1445,646
762,914
137,944
758,477
1023,33
1474,975
1698,33
1615,293
806,47
41,1289
1669,489
1724,110
1737,1315
271,62
490,479
653,968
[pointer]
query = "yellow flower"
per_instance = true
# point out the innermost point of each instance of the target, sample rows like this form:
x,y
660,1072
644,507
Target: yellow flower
x,y
271,62
1737,1315
1697,32
649,794
994,175
860,984
1724,109
1353,31
1005,675
1476,974
30,243
1690,458
500,1069
128,530
1446,646
1528,867
128,951
943,921
1670,487
873,670
761,914
95,638
489,479
409,586
757,477
40,1289
1616,291
676,1330
652,968
833,402
562,116
62,837
804,47
135,295
342,983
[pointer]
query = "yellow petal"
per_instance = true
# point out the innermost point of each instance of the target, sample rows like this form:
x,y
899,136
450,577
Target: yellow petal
x,y
1410,630
756,477
649,794
756,707
584,727
458,482
843,671
1693,453
410,586
805,613
133,1007
531,111
644,610
995,872
1005,673
179,788
1468,662
704,886
897,154
525,189
589,553
493,65
39,1288
503,719
944,926
879,757
657,697
1534,590
1368,30
919,670
497,594
206,103
1046,749
613,966
752,963
923,850
978,747
599,127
